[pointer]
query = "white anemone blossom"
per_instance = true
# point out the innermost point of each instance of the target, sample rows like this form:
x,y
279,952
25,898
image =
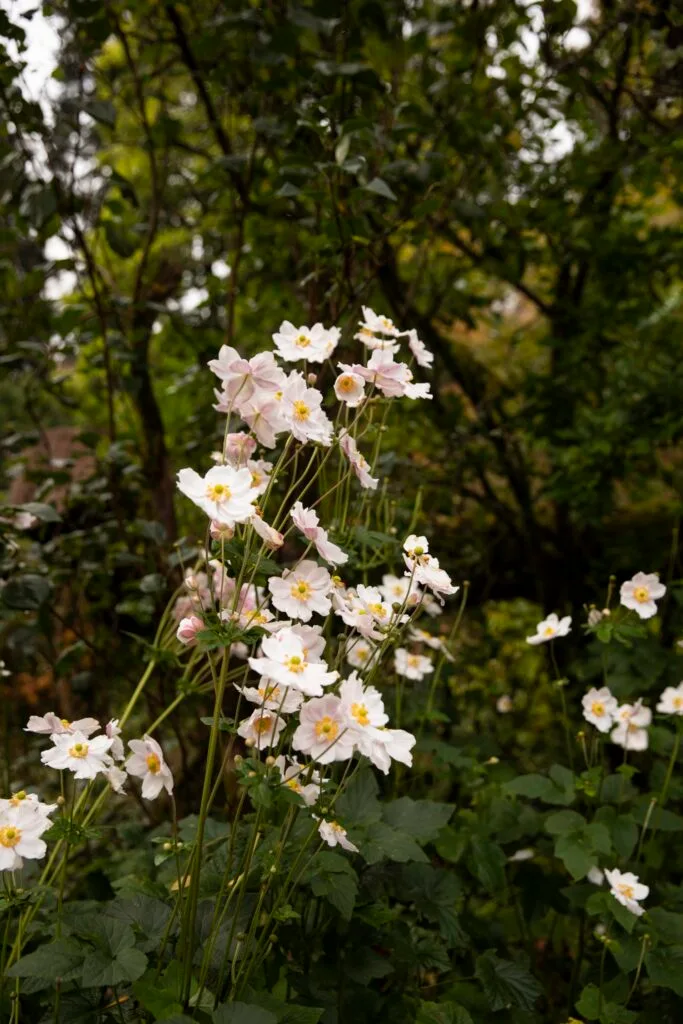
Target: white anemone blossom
x,y
323,731
262,729
84,756
412,666
302,591
641,594
21,828
314,344
306,520
333,834
550,628
671,700
631,722
627,889
147,763
284,661
51,725
600,708
226,494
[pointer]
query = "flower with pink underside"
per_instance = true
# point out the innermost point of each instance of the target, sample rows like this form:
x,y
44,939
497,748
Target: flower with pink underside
x,y
302,591
359,463
306,520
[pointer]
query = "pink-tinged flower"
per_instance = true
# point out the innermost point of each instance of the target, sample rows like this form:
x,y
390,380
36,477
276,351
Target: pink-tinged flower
x,y
373,326
263,414
302,591
225,493
85,757
550,628
188,629
627,889
641,593
350,389
313,344
113,732
262,729
306,520
423,357
20,830
359,463
221,531
272,538
395,380
302,412
51,725
412,666
147,763
599,708
631,722
239,448
284,661
323,733
671,701
333,834
242,378
272,695
260,474
360,653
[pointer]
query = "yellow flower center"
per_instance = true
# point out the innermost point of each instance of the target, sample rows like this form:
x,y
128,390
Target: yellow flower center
x,y
301,590
256,478
153,763
362,653
269,692
413,660
378,610
294,785
346,384
598,708
641,594
366,332
678,702
263,724
9,836
301,411
218,493
548,631
361,714
386,322
78,750
17,798
302,341
326,728
295,664
65,722
626,890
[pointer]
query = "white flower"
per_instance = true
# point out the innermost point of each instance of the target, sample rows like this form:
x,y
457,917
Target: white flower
x,y
272,538
85,757
599,708
671,701
117,779
416,549
51,725
271,695
412,666
302,412
260,471
395,380
359,652
359,464
244,378
20,830
521,855
225,494
263,414
29,801
262,729
112,730
373,324
595,875
238,449
302,591
306,520
504,704
332,833
188,629
391,744
314,343
350,389
362,706
550,628
323,733
284,661
631,729
641,593
312,639
399,590
423,357
436,643
627,890
291,775
424,568
147,763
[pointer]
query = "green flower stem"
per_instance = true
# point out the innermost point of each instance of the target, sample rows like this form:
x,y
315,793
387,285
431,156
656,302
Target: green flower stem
x,y
439,667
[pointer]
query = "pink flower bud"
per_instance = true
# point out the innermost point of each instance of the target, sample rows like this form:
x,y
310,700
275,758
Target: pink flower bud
x,y
221,531
188,629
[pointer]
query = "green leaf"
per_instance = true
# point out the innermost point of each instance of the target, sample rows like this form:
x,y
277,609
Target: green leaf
x,y
575,855
26,593
286,1013
46,513
242,1013
666,925
488,862
384,841
102,111
624,832
100,968
380,188
442,1013
564,821
665,967
588,1003
58,959
620,913
359,805
506,982
538,787
421,819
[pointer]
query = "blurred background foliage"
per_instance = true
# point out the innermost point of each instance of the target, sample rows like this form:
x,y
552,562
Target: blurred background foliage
x,y
502,176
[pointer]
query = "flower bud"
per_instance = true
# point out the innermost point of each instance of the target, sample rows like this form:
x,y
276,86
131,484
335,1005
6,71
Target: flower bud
x,y
270,760
221,531
188,629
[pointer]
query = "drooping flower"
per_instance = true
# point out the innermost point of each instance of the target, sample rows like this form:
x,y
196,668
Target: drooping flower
x,y
550,628
272,538
85,757
147,763
641,593
599,708
671,701
225,494
262,729
333,834
116,778
314,344
291,774
302,412
423,357
221,531
630,731
412,666
359,464
306,520
20,830
113,731
302,591
238,449
188,629
349,388
322,732
391,745
627,889
284,661
51,725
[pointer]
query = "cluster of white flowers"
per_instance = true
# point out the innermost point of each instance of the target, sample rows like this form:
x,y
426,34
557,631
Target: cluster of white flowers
x,y
628,722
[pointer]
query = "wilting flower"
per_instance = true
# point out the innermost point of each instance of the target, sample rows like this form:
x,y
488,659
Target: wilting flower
x,y
284,662
306,520
225,494
631,729
423,357
322,732
221,531
188,630
147,763
550,628
627,889
314,343
117,779
359,463
272,538
671,701
600,708
51,725
262,729
302,591
85,757
20,830
349,388
113,731
412,666
333,834
641,593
